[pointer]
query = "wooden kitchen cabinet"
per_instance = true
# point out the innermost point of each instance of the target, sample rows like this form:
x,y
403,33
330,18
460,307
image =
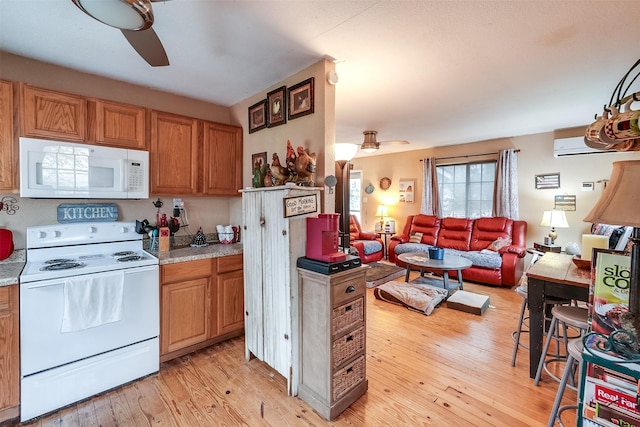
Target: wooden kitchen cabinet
x,y
201,303
55,115
174,155
222,154
116,124
9,353
8,144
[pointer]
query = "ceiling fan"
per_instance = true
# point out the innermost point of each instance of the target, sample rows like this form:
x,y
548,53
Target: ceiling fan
x,y
370,145
134,18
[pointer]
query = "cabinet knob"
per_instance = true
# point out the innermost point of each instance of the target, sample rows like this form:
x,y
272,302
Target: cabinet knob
x,y
350,289
262,221
286,336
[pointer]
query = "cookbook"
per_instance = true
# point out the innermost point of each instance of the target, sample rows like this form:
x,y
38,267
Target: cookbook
x,y
609,290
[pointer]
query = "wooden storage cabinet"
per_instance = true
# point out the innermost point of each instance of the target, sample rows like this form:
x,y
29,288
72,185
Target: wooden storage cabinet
x,y
53,115
9,353
333,339
222,167
115,124
8,144
174,154
201,303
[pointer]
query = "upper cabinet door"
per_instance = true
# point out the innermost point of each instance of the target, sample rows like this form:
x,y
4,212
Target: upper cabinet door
x,y
174,154
116,124
50,114
8,148
222,166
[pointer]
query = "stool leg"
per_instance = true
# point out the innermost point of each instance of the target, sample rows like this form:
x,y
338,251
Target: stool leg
x,y
543,355
563,383
518,332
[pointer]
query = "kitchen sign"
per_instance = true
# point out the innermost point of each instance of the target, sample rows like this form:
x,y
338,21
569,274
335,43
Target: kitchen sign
x,y
87,212
294,206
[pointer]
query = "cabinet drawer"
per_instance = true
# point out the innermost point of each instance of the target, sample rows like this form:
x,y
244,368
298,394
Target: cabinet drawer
x,y
186,270
229,263
348,377
347,316
347,290
347,346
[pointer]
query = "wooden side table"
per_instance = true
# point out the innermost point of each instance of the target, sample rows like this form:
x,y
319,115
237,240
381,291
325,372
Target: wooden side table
x,y
542,247
386,235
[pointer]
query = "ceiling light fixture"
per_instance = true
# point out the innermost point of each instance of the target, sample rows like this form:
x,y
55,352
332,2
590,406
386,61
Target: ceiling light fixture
x,y
370,145
123,14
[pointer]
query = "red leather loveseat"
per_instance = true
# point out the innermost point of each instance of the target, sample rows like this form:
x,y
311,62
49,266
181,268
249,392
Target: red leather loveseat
x,y
368,244
471,239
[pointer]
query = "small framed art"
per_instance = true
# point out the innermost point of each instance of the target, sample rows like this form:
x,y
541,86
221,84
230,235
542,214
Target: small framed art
x,y
277,107
258,116
301,100
407,188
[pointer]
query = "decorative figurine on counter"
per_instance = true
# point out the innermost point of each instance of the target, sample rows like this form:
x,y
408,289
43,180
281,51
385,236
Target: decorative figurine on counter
x,y
305,166
259,172
290,160
268,178
279,172
199,240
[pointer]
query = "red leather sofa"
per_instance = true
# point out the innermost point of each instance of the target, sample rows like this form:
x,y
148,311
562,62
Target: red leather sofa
x,y
468,238
363,241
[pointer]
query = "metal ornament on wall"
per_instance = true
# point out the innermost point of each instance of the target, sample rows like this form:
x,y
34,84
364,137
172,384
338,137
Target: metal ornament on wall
x,y
330,182
369,189
385,183
9,204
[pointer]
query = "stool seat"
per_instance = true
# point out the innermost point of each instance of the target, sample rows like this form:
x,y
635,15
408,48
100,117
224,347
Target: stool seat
x,y
576,317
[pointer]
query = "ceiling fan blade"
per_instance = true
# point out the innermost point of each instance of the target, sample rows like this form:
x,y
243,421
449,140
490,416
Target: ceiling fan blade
x,y
148,45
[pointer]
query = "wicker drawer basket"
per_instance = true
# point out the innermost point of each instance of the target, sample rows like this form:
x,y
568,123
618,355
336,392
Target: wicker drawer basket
x,y
348,346
348,377
347,315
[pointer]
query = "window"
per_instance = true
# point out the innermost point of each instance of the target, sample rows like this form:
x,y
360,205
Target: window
x,y
355,194
466,190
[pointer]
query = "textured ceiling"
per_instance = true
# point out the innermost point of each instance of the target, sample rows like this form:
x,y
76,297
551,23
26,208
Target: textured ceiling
x,y
430,72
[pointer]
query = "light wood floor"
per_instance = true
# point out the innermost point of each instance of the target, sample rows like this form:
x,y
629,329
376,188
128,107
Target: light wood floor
x,y
447,369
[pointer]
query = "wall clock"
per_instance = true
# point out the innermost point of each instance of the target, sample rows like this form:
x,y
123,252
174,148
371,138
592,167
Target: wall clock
x,y
385,183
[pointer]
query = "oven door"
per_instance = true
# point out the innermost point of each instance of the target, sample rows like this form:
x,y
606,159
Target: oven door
x,y
44,346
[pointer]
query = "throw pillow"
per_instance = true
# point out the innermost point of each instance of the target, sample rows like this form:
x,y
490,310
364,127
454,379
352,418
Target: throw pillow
x,y
415,238
498,244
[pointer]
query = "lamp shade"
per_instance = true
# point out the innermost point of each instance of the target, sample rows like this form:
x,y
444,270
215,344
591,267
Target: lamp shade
x,y
554,218
382,211
620,201
345,151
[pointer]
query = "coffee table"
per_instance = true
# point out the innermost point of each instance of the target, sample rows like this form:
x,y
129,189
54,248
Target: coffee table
x,y
449,262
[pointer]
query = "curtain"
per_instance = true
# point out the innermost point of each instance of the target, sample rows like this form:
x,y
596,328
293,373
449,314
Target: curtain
x,y
505,190
430,198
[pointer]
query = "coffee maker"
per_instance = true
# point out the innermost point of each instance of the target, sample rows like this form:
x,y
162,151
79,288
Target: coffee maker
x,y
323,234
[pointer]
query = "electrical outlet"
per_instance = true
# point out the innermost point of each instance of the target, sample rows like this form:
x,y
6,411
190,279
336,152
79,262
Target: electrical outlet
x,y
178,203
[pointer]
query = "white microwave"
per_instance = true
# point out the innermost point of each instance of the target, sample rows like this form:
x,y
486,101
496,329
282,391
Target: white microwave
x,y
55,169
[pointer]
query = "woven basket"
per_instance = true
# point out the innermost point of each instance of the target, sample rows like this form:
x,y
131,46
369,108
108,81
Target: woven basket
x,y
346,315
348,377
347,346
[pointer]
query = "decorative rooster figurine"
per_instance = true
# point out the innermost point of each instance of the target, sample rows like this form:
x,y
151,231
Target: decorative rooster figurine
x,y
305,166
290,160
268,178
279,172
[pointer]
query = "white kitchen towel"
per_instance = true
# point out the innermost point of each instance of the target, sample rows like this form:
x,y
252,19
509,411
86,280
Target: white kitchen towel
x,y
92,300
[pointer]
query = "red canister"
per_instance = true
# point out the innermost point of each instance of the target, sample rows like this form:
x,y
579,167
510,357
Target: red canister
x,y
6,243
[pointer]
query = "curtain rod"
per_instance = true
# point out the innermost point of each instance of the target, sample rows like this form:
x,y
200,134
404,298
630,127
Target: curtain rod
x,y
469,155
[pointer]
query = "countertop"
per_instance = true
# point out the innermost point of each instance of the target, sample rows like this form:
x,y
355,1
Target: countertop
x,y
11,268
188,253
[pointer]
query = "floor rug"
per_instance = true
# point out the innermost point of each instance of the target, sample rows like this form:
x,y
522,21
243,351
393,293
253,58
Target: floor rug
x,y
379,273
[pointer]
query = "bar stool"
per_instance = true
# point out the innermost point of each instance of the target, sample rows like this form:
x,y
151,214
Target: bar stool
x,y
523,325
574,348
567,316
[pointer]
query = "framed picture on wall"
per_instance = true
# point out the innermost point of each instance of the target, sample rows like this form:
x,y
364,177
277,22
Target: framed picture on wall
x,y
406,191
258,116
300,99
277,107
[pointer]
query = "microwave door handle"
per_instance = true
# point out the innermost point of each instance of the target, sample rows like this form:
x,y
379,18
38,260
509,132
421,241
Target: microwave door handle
x,y
124,177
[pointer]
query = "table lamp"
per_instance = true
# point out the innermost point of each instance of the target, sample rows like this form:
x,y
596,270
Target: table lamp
x,y
382,212
553,219
620,205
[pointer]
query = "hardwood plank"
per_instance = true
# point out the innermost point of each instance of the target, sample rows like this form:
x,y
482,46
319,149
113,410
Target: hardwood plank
x,y
449,368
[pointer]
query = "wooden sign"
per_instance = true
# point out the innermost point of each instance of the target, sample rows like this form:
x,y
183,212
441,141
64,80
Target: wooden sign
x,y
87,212
300,205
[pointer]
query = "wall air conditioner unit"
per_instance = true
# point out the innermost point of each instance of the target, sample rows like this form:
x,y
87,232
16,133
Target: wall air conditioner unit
x,y
574,147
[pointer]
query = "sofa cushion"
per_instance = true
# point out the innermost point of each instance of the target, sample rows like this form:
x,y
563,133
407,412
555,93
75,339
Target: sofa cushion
x,y
416,238
428,225
498,244
487,230
455,233
404,248
479,259
371,246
